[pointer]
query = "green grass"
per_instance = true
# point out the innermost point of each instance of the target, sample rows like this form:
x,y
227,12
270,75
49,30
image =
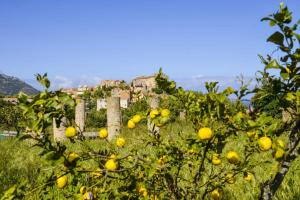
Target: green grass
x,y
20,162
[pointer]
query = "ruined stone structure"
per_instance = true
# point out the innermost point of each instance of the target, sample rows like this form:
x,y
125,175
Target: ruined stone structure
x,y
144,83
80,115
116,92
59,133
113,116
182,115
154,104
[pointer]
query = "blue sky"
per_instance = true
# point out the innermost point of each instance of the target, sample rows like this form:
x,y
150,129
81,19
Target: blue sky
x,y
90,40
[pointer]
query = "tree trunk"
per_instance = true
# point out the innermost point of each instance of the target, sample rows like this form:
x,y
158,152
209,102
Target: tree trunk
x,y
269,189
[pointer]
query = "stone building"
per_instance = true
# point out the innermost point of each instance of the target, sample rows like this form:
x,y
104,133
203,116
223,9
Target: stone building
x,y
142,86
110,83
116,92
74,92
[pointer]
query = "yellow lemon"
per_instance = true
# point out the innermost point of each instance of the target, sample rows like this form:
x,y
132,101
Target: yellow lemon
x,y
72,157
103,133
70,132
233,157
230,178
82,190
88,196
215,194
279,153
120,142
265,143
130,124
154,113
205,133
62,181
165,112
111,165
216,159
136,118
143,191
248,176
162,160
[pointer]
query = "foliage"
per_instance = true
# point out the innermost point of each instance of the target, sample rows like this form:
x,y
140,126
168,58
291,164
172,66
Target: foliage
x,y
273,88
96,119
134,108
10,116
225,145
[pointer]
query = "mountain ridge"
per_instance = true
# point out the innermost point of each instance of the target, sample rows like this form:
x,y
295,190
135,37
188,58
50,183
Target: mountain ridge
x,y
10,86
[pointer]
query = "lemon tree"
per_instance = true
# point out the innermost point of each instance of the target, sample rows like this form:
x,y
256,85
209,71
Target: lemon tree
x,y
204,163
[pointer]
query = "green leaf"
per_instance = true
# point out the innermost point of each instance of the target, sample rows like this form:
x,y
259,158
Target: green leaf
x,y
266,19
284,74
273,65
276,38
9,194
297,36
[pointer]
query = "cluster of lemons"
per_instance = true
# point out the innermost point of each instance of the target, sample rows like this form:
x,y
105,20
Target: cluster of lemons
x,y
160,116
111,164
133,121
206,134
264,143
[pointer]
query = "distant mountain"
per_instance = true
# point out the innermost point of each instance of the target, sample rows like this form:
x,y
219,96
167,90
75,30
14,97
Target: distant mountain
x,y
10,86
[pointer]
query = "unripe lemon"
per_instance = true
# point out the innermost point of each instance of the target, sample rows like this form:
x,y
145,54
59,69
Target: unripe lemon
x,y
72,157
111,165
251,134
216,159
248,176
82,190
136,118
165,112
279,153
280,143
153,113
70,132
233,157
130,124
230,178
215,194
120,142
103,133
205,133
62,181
265,143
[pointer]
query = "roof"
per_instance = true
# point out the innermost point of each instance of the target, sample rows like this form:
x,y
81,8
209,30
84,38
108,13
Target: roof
x,y
145,77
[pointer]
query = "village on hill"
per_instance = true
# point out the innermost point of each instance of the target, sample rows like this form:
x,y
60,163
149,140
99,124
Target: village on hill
x,y
138,88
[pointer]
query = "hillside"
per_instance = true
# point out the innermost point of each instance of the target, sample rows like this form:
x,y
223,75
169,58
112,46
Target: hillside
x,y
10,85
